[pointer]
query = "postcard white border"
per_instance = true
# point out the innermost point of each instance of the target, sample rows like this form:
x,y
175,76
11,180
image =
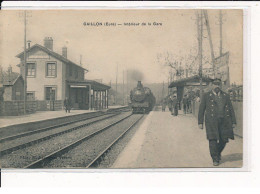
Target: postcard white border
x,y
250,145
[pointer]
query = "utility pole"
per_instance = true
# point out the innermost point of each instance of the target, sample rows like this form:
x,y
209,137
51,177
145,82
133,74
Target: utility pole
x,y
25,65
163,90
80,60
168,87
221,44
210,41
220,32
116,83
200,35
127,87
123,87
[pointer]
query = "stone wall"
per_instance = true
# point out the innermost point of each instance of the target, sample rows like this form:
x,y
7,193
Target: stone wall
x,y
44,105
15,108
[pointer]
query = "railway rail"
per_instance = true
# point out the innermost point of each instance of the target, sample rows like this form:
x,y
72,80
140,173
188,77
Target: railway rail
x,y
12,137
48,136
18,141
58,154
95,162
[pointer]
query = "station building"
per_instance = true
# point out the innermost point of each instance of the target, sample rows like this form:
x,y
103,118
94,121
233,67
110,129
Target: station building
x,y
51,77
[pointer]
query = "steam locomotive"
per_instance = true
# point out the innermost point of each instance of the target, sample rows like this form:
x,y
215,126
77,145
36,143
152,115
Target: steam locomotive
x,y
142,99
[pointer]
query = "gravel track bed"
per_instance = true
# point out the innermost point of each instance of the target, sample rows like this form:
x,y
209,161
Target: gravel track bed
x,y
113,153
25,156
83,154
25,139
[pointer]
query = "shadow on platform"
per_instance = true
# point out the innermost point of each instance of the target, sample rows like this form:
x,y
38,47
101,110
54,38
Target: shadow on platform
x,y
232,157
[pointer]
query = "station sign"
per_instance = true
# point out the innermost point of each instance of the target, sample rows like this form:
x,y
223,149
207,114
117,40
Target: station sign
x,y
221,64
76,86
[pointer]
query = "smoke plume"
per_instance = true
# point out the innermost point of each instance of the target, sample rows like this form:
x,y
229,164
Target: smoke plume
x,y
135,75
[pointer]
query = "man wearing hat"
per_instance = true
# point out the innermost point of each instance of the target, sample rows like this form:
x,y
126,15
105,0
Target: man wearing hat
x,y
219,119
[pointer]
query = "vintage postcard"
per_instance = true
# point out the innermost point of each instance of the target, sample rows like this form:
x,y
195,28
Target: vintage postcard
x,y
121,89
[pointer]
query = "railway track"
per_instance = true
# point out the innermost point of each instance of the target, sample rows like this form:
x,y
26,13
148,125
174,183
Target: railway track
x,y
8,138
60,129
26,152
95,162
77,146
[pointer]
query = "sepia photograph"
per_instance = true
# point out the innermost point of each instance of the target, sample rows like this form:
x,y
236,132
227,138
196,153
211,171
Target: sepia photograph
x,y
121,89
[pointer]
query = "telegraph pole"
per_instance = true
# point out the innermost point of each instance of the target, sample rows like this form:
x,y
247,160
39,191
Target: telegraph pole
x,y
210,41
168,86
123,87
25,65
116,83
200,35
163,90
220,32
221,44
80,60
127,87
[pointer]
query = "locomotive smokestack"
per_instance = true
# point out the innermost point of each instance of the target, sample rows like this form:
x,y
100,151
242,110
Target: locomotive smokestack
x,y
139,84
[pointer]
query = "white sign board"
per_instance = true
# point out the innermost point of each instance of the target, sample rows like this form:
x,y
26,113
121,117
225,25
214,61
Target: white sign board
x,y
221,64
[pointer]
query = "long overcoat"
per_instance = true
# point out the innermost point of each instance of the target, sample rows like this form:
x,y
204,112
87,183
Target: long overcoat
x,y
208,106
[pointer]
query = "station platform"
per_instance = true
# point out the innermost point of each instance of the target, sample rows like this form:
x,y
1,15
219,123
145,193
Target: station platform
x,y
38,116
45,115
166,141
10,125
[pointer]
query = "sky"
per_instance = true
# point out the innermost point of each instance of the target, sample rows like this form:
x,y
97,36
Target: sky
x,y
106,48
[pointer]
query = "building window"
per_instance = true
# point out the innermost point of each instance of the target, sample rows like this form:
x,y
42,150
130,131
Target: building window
x,y
76,73
50,93
31,69
70,70
17,95
30,96
51,69
82,75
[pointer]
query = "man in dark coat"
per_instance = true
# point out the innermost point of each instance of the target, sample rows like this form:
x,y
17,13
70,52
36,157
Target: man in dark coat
x,y
163,105
185,104
170,104
175,105
67,104
219,119
189,109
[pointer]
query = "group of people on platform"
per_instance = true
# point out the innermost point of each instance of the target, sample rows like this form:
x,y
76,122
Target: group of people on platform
x,y
174,104
215,111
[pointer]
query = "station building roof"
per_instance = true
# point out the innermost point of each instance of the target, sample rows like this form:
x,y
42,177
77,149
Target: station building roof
x,y
9,79
189,80
50,52
94,85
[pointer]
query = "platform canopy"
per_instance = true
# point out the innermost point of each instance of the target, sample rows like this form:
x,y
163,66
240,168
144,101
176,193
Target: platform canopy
x,y
190,81
84,84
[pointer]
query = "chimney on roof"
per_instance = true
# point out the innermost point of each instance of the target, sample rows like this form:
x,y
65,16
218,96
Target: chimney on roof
x,y
10,70
29,44
48,43
64,51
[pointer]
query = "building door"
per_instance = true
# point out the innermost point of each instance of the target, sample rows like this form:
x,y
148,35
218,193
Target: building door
x,y
50,93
